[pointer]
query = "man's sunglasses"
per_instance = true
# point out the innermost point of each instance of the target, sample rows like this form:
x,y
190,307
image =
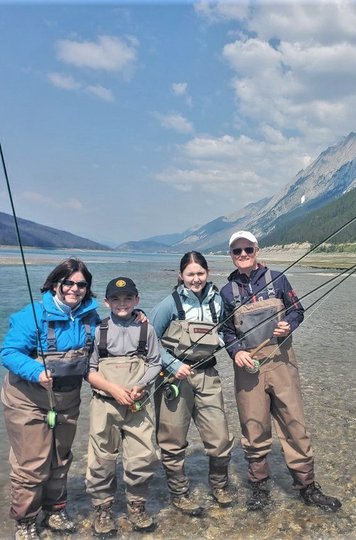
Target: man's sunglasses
x,y
70,283
248,250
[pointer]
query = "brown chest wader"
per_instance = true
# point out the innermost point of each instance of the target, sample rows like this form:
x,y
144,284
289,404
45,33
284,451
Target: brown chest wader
x,y
40,457
123,370
273,391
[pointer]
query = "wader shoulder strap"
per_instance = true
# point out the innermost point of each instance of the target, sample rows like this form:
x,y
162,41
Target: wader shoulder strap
x,y
178,302
103,338
142,343
214,316
51,337
236,293
270,287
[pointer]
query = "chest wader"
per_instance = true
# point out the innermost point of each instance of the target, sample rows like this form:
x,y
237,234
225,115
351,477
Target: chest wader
x,y
199,398
272,390
122,370
250,316
41,457
113,425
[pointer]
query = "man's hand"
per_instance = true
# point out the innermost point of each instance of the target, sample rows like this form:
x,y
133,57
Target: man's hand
x,y
282,330
243,358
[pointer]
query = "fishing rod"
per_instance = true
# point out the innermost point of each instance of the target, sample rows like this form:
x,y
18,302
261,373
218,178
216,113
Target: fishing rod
x,y
194,345
173,390
51,415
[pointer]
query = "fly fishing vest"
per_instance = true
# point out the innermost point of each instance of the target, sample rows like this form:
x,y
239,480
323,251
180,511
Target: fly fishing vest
x,y
124,370
67,368
191,341
249,316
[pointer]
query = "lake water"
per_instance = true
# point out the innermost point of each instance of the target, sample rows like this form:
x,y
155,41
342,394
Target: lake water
x,y
325,347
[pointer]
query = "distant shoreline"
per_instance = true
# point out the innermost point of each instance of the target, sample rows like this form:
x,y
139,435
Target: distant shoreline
x,y
274,255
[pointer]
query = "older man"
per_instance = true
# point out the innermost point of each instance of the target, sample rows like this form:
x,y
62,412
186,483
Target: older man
x,y
265,309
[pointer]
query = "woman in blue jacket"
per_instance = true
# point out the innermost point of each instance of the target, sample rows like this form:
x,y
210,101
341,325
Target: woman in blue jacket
x,y
47,356
185,322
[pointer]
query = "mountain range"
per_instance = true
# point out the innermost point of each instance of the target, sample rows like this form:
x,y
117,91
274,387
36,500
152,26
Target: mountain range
x,y
291,215
326,179
36,235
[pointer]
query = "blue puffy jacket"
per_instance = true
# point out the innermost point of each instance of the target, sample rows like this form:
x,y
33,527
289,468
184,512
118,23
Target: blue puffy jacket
x,y
251,288
20,341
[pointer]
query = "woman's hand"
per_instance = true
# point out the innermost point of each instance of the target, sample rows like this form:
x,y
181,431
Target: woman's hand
x,y
282,330
46,382
183,372
243,358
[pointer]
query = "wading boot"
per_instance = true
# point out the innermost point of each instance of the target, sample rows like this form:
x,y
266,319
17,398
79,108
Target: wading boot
x,y
26,529
259,497
186,505
58,521
138,518
313,496
104,524
222,497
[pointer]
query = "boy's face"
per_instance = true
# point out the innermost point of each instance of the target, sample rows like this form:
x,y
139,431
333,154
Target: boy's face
x,y
122,305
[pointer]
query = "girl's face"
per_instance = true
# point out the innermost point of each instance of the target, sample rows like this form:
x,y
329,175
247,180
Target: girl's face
x,y
194,277
71,290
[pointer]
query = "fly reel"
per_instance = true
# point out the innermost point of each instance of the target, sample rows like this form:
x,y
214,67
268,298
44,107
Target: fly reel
x,y
170,391
254,369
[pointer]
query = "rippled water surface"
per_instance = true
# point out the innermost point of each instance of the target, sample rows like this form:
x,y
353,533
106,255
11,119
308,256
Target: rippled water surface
x,y
325,346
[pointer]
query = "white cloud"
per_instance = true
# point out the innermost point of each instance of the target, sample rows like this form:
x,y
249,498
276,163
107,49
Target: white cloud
x,y
101,92
239,167
108,53
63,81
175,122
179,89
36,198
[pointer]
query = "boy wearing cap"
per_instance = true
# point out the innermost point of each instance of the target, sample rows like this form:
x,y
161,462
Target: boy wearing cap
x,y
265,310
125,359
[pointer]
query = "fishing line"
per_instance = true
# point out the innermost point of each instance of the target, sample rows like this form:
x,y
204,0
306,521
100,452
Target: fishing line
x,y
347,272
193,346
51,417
321,300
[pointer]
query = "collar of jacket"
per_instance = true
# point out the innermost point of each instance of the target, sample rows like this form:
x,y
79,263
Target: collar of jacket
x,y
208,292
54,313
244,278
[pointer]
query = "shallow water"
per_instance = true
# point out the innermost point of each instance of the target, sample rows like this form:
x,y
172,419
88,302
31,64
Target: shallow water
x,y
324,346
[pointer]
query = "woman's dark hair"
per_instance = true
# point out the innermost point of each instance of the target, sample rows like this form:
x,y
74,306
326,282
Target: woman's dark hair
x,y
191,257
63,271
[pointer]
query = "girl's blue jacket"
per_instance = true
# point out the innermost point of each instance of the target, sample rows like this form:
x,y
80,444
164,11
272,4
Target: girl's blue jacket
x,y
20,342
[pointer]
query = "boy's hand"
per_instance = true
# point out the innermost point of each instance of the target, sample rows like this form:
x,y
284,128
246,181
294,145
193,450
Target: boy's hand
x,y
137,392
243,358
282,330
122,395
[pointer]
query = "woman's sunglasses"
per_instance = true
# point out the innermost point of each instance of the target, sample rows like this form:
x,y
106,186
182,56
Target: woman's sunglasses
x,y
70,283
248,250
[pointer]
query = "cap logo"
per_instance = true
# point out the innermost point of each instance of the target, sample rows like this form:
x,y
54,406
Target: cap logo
x,y
120,283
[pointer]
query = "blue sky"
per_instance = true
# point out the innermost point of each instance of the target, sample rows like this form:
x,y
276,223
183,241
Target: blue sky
x,y
123,121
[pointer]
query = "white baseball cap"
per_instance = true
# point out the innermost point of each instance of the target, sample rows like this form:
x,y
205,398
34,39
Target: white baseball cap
x,y
243,234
